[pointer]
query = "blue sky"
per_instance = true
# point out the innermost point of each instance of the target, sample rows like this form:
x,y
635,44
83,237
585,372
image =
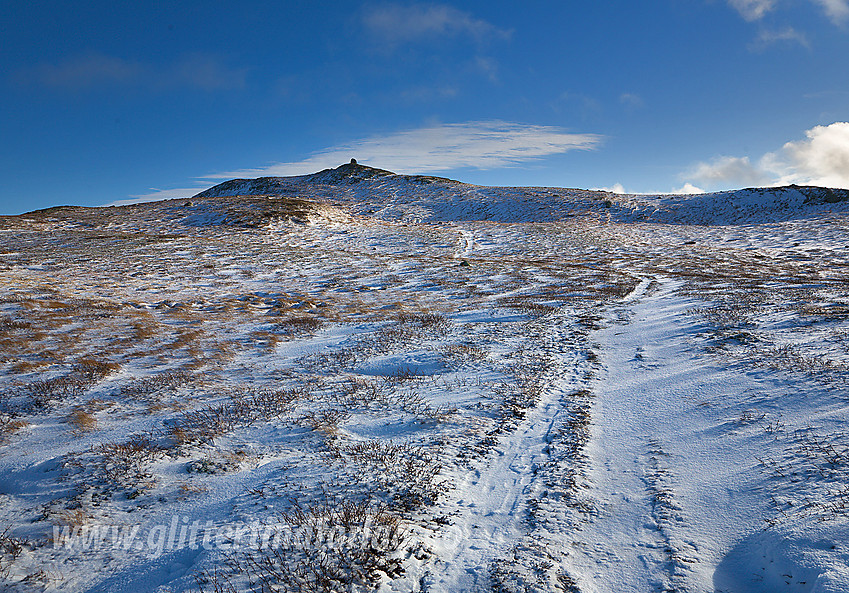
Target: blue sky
x,y
103,101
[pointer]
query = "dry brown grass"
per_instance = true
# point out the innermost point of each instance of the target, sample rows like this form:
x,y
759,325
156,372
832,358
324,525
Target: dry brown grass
x,y
84,374
9,426
337,545
28,340
144,328
73,518
530,305
265,339
186,337
93,370
833,312
204,424
297,326
145,387
188,490
82,420
326,422
29,366
463,353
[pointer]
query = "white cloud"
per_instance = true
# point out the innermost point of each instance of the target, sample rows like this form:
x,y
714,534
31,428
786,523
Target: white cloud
x,y
616,188
442,147
688,188
836,10
396,23
822,158
752,10
431,149
728,170
488,67
156,195
768,37
631,100
755,10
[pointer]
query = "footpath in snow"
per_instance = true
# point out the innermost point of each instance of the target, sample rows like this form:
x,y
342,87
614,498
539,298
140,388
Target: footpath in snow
x,y
673,471
679,500
489,504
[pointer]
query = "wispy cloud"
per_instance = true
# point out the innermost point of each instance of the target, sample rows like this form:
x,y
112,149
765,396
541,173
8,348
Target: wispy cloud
x,y
437,148
488,67
767,37
440,148
94,70
428,93
752,10
631,100
577,102
755,10
821,158
402,23
84,71
155,195
836,10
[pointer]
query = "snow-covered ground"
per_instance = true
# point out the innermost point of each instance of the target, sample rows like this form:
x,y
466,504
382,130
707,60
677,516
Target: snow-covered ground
x,y
358,381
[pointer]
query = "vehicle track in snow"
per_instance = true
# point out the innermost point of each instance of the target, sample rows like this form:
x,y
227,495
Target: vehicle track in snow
x,y
669,480
626,507
489,505
632,543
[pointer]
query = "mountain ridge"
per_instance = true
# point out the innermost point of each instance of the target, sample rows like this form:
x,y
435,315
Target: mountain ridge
x,y
386,195
360,190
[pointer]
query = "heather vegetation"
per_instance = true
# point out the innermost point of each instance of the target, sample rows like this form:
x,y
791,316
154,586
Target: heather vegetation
x,y
331,384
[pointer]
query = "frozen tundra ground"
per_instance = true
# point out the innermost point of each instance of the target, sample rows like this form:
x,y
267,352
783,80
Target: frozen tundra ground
x,y
361,381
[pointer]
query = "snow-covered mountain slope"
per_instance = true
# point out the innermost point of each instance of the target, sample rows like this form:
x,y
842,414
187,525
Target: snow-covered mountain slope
x,y
413,198
356,381
745,206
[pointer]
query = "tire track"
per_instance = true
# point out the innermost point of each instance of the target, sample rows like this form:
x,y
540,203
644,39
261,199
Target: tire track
x,y
491,518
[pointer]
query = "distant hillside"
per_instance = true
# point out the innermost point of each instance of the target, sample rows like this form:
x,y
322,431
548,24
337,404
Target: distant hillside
x,y
349,173
414,198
